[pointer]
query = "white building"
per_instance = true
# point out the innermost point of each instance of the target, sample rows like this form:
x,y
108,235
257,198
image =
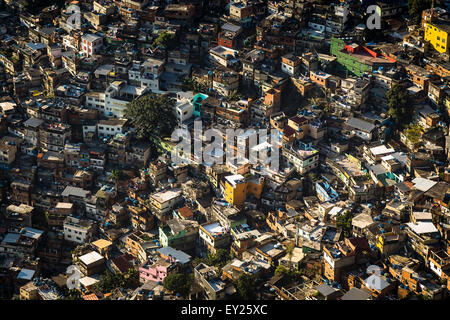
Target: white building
x,y
224,56
95,100
165,200
88,129
184,109
91,44
110,127
77,230
361,128
147,74
303,160
118,95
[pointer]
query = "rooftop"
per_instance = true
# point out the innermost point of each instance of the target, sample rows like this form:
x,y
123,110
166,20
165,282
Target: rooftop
x,y
422,227
215,229
91,257
166,195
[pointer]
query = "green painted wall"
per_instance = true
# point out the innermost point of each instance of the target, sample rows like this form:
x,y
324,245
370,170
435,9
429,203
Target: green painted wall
x,y
346,62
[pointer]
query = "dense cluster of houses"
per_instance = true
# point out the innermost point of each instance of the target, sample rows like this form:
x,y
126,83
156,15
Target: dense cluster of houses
x,y
358,208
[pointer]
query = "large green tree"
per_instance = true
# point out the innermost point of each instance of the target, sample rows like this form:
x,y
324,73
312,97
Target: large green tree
x,y
290,274
131,278
166,40
245,286
344,221
414,133
109,282
400,105
218,259
177,283
152,115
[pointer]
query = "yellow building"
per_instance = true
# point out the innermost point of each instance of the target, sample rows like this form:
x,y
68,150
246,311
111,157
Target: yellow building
x,y
437,34
29,292
102,246
238,188
387,242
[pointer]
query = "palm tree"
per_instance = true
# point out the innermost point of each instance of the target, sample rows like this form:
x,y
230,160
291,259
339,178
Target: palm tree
x,y
319,102
116,176
327,100
314,101
233,95
290,252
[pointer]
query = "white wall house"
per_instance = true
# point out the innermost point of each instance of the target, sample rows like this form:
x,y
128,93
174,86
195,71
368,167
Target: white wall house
x,y
91,44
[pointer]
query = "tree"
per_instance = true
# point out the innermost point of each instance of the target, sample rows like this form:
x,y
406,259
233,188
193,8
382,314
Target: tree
x,y
344,222
146,237
280,270
245,286
71,294
315,101
414,133
233,95
152,115
415,8
190,84
218,259
166,40
177,283
131,278
290,274
399,102
116,176
109,282
326,106
289,252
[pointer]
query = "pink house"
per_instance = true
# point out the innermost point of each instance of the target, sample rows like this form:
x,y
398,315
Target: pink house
x,y
155,271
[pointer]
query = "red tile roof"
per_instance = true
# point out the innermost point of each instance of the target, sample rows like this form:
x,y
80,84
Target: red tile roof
x,y
123,262
288,131
186,212
298,120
